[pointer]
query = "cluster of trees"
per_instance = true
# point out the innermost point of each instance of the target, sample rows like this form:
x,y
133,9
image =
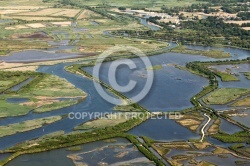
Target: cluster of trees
x,y
243,136
206,8
234,9
210,31
244,15
121,8
214,27
245,25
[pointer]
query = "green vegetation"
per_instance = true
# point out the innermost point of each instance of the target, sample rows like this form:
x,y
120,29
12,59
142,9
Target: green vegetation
x,y
27,125
47,136
239,162
241,150
226,76
127,108
94,135
44,93
211,31
243,102
239,137
134,4
10,79
102,122
225,95
210,53
53,86
55,106
110,140
148,141
247,75
75,148
157,67
7,46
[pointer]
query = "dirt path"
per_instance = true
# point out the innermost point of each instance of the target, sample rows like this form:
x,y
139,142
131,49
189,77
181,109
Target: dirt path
x,y
202,130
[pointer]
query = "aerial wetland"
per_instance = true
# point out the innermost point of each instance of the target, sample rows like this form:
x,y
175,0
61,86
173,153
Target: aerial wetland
x,y
51,112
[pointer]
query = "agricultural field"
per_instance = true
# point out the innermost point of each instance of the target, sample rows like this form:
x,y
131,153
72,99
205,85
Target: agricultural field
x,y
225,95
51,12
22,4
152,4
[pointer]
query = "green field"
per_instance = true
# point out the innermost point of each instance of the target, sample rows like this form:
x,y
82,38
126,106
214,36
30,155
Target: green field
x,y
226,77
146,3
27,125
211,53
110,120
225,95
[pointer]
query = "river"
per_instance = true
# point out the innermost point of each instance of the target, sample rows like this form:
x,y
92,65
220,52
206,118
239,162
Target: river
x,y
172,90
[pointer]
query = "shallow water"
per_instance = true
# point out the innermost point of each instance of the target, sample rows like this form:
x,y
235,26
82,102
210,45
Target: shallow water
x,y
22,84
17,100
229,160
236,53
59,157
243,120
35,56
178,85
143,21
172,88
93,103
163,130
228,127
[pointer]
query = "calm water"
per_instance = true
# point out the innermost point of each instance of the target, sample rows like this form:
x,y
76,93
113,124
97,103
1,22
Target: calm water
x,y
235,52
228,127
163,130
243,120
179,87
228,160
144,22
35,55
17,100
22,84
100,150
93,103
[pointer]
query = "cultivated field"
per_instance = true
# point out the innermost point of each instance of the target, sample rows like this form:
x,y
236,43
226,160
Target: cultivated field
x,y
31,18
146,3
88,14
58,12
